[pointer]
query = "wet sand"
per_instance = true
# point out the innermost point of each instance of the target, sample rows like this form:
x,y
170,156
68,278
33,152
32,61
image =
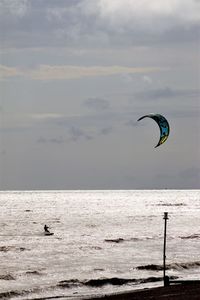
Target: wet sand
x,y
173,292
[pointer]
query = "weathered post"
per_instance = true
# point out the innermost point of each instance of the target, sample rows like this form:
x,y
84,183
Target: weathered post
x,y
165,278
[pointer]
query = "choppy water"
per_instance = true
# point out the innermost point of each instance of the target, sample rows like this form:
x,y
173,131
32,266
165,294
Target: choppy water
x,y
104,241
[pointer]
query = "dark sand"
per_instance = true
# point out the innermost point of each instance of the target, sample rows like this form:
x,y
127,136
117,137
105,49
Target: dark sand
x,y
173,292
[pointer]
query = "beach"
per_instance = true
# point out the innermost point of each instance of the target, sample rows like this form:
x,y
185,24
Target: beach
x,y
173,292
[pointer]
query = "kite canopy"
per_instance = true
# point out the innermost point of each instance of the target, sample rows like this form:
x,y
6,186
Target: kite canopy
x,y
163,125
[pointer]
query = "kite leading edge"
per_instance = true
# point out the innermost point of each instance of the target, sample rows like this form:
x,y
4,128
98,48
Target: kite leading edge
x,y
163,125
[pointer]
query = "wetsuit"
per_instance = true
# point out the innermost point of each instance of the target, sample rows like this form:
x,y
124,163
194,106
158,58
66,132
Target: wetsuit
x,y
46,228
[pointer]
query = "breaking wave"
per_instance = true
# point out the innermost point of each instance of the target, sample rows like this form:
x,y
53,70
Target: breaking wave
x,y
171,204
11,248
73,283
192,236
121,240
118,240
173,266
99,282
6,277
33,273
10,294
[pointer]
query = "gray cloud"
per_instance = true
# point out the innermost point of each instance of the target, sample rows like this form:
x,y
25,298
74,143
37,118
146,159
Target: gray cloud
x,y
127,58
69,72
98,22
97,104
73,134
55,140
167,92
14,8
106,130
76,134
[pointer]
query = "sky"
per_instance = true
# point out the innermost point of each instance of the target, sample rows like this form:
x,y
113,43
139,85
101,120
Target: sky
x,y
76,75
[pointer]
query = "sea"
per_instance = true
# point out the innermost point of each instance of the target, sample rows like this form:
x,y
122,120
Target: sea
x,y
104,241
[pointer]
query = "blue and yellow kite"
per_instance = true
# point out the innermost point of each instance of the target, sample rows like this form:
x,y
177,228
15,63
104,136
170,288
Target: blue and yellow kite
x,y
163,125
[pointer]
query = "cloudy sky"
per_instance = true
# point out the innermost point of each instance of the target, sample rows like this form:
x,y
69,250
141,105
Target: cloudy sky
x,y
75,75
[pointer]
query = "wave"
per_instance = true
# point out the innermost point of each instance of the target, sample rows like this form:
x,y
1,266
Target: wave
x,y
119,281
99,282
7,277
188,265
10,294
151,267
121,240
73,283
33,273
99,269
69,283
90,248
171,204
172,266
118,240
193,236
10,248
113,281
6,248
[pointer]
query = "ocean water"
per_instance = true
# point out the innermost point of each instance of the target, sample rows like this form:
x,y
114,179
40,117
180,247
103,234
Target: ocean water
x,y
103,242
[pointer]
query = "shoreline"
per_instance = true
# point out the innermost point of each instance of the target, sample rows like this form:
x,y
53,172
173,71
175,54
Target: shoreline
x,y
183,291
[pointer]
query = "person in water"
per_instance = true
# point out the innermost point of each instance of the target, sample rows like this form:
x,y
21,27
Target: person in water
x,y
46,228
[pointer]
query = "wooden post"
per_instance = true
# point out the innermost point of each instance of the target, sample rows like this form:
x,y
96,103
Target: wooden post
x,y
165,278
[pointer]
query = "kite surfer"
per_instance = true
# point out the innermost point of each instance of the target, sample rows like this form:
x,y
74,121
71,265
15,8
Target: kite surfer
x,y
46,228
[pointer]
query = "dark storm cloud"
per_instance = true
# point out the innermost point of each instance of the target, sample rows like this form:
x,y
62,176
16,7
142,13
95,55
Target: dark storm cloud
x,y
39,23
42,23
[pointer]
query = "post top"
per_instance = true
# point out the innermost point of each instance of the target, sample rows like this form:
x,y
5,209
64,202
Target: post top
x,y
165,215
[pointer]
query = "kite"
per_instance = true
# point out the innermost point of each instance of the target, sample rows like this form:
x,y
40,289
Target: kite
x,y
163,125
